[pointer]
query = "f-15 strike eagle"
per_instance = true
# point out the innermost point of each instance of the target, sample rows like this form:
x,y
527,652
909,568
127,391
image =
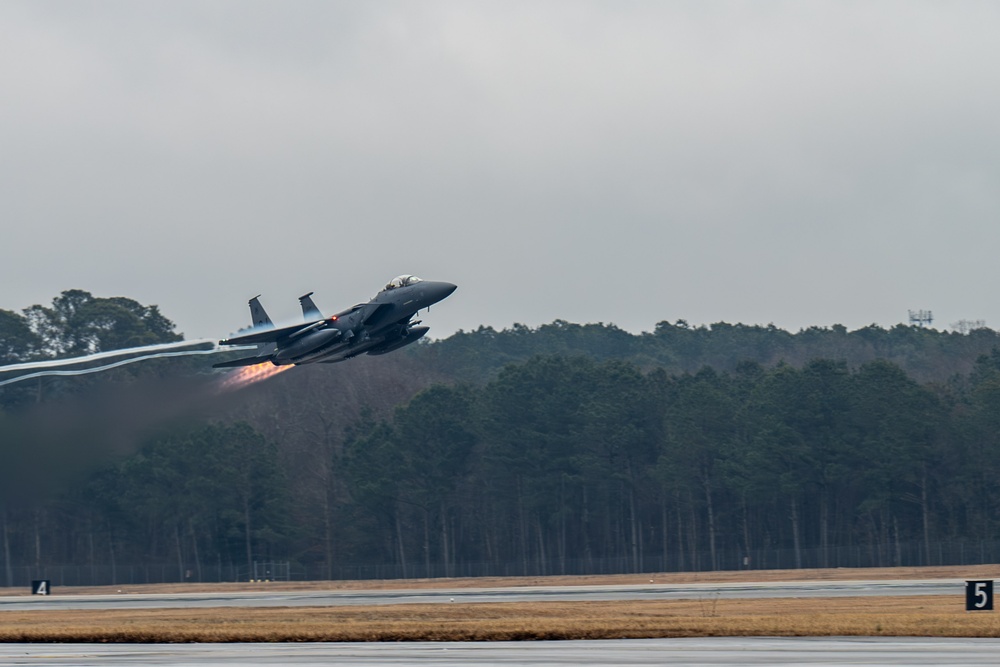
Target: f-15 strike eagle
x,y
382,325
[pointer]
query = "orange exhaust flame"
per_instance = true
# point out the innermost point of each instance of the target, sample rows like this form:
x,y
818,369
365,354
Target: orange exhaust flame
x,y
249,375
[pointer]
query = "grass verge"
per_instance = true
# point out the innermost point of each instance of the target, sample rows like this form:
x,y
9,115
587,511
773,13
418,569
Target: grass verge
x,y
927,616
726,576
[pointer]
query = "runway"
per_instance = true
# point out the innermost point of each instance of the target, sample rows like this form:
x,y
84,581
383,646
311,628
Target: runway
x,y
722,652
277,598
692,651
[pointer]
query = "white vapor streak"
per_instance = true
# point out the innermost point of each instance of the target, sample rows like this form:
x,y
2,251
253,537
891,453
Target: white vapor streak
x,y
84,371
56,363
103,355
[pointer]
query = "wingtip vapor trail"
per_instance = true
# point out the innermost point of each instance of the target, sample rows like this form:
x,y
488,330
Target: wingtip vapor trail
x,y
57,367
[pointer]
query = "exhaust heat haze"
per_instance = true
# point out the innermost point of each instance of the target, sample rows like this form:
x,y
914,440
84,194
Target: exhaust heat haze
x,y
249,375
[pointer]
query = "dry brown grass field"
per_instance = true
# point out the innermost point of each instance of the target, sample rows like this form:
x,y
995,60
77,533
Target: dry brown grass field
x,y
913,616
935,616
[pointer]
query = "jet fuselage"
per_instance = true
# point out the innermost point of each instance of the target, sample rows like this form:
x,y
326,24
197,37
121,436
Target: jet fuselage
x,y
376,327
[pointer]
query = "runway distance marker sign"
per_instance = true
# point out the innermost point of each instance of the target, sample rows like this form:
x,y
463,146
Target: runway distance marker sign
x,y
979,595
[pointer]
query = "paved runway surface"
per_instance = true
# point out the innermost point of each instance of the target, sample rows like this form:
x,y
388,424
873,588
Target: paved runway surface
x,y
820,589
702,651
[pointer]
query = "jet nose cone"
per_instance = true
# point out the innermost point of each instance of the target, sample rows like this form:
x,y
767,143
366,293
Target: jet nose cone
x,y
438,290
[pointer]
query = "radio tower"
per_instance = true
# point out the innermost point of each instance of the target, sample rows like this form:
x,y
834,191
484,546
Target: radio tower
x,y
921,318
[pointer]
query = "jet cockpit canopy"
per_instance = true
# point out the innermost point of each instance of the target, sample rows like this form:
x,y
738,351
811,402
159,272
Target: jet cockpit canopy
x,y
404,280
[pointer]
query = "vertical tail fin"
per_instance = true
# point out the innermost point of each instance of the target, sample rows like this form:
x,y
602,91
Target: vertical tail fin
x,y
309,310
258,315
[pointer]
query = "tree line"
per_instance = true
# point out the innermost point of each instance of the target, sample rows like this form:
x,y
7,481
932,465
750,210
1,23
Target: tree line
x,y
927,355
551,462
563,459
554,464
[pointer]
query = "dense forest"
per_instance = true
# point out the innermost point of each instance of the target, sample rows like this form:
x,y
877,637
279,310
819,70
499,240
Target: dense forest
x,y
562,448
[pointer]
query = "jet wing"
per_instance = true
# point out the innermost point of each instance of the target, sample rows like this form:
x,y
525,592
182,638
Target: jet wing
x,y
350,310
269,335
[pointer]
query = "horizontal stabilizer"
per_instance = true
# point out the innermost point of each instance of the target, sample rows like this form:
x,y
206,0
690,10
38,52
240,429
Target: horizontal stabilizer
x,y
248,361
267,335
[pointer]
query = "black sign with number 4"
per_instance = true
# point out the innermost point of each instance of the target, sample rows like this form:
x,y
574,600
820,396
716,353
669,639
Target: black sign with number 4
x,y
978,596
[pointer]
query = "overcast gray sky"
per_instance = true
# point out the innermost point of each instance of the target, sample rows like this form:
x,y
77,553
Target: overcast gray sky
x,y
795,163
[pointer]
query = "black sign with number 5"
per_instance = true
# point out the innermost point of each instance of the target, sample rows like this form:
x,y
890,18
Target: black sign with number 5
x,y
978,596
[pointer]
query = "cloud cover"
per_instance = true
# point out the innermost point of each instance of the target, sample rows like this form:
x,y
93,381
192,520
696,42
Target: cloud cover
x,y
794,163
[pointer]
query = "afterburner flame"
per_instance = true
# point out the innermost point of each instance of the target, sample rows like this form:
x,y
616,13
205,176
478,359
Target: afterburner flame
x,y
249,375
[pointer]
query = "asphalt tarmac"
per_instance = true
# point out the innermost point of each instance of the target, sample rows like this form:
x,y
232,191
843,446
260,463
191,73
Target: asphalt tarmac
x,y
813,589
720,652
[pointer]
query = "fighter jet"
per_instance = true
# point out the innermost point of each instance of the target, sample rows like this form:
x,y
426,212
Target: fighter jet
x,y
382,325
